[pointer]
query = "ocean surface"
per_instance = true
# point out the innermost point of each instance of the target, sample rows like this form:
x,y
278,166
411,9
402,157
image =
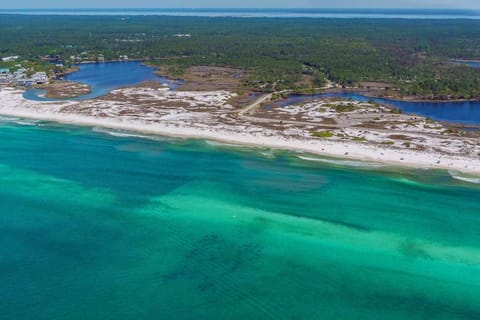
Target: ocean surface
x,y
100,224
271,13
105,77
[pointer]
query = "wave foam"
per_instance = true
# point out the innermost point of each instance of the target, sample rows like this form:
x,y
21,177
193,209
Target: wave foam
x,y
345,163
19,121
223,144
119,134
458,176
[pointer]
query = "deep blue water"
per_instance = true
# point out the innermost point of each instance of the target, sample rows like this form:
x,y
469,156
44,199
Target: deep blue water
x,y
273,13
105,77
455,112
106,225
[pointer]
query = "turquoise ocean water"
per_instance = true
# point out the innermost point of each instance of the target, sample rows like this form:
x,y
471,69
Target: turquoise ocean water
x,y
106,225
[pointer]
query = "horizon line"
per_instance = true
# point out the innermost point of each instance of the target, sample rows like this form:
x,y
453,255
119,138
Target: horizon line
x,y
245,8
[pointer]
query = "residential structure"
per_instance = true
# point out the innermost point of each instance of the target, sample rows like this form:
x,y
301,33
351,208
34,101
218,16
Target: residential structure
x,y
20,77
10,59
5,79
39,78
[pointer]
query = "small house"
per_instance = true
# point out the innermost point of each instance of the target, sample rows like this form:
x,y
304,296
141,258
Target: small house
x,y
10,59
4,79
39,78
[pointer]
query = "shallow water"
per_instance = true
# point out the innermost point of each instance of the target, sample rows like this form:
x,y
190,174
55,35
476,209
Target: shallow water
x,y
106,225
456,112
105,77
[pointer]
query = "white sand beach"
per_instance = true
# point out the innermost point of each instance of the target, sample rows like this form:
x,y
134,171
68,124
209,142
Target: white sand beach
x,y
203,115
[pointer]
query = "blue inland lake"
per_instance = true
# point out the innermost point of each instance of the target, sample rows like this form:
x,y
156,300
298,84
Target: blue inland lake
x,y
474,64
105,77
465,112
100,224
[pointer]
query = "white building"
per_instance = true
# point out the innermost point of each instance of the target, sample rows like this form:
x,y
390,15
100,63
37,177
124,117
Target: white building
x,y
20,74
5,79
183,35
10,59
40,78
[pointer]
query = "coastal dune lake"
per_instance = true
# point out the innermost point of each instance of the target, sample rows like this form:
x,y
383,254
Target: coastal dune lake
x,y
99,224
465,112
105,77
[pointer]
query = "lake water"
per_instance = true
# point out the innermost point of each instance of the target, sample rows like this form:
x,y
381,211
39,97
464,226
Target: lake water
x,y
105,77
271,13
99,224
455,112
474,64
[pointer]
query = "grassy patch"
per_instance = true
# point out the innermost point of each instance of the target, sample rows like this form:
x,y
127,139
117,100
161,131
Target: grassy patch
x,y
359,139
400,137
341,108
322,134
389,143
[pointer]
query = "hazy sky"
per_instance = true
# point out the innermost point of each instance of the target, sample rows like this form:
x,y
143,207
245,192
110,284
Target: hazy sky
x,y
455,4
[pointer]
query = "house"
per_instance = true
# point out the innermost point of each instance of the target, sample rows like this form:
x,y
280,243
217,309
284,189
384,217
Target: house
x,y
5,79
19,75
52,59
25,82
10,59
4,71
39,78
183,35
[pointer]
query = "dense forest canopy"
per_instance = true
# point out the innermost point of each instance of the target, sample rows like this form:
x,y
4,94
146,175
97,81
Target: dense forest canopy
x,y
413,56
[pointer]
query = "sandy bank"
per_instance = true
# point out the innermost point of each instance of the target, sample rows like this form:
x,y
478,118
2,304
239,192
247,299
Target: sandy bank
x,y
13,104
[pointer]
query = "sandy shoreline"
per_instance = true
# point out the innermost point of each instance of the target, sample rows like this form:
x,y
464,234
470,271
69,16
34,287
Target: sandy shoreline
x,y
14,105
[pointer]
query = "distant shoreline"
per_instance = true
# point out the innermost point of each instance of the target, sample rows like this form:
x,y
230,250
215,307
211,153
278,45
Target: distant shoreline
x,y
374,13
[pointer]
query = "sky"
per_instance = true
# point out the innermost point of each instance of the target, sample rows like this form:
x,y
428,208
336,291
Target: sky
x,y
434,4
